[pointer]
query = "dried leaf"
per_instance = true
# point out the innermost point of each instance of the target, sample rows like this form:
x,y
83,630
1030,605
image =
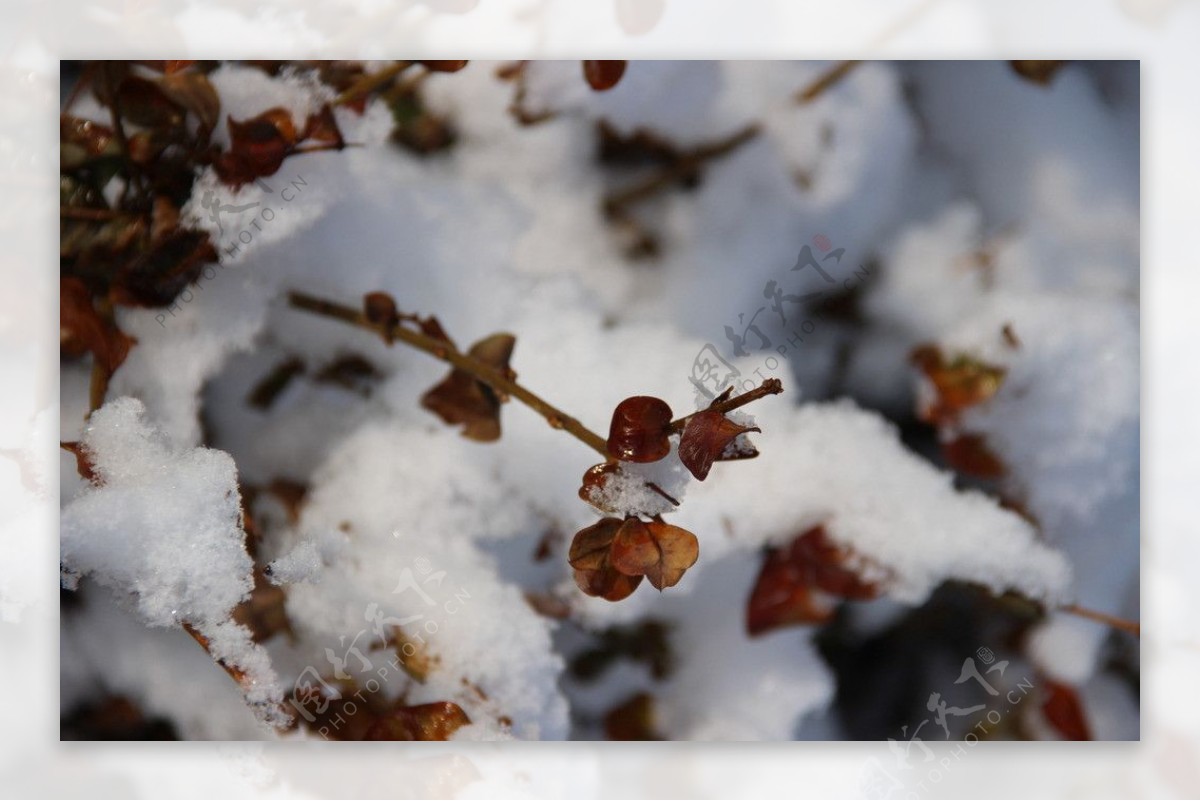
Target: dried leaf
x,y
323,129
958,383
257,146
1064,710
144,103
969,453
705,439
660,552
443,66
603,75
436,721
639,430
82,329
632,720
83,140
594,481
461,399
607,582
157,275
590,546
797,580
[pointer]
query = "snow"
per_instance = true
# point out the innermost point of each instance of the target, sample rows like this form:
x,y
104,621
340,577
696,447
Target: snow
x,y
164,524
403,517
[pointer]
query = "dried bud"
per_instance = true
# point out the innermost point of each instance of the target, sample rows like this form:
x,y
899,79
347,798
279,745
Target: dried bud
x,y
595,479
705,439
603,75
380,309
639,432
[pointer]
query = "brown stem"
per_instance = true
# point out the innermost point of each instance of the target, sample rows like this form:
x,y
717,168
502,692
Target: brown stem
x,y
772,386
1131,626
678,170
369,83
235,673
825,80
500,383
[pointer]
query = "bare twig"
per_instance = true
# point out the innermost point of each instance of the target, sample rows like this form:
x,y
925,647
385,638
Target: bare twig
x,y
825,81
440,349
1131,626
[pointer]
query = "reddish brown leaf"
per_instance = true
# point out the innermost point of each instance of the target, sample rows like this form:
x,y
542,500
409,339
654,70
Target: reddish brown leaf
x,y
594,481
322,128
590,546
634,552
444,66
83,461
705,439
82,329
958,383
1063,708
632,720
660,552
460,399
257,146
639,430
603,75
158,274
436,721
970,454
607,582
796,581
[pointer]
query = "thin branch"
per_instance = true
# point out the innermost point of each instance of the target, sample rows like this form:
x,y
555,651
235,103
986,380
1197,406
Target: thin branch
x,y
440,349
369,83
235,673
686,166
772,386
825,81
1131,626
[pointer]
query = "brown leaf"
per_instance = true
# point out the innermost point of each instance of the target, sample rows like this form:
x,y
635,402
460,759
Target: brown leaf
x,y
257,146
594,481
1064,710
969,453
958,383
660,552
590,547
82,329
632,719
607,582
639,430
461,399
443,66
157,275
264,613
144,103
436,721
603,75
796,581
1039,72
705,438
322,128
